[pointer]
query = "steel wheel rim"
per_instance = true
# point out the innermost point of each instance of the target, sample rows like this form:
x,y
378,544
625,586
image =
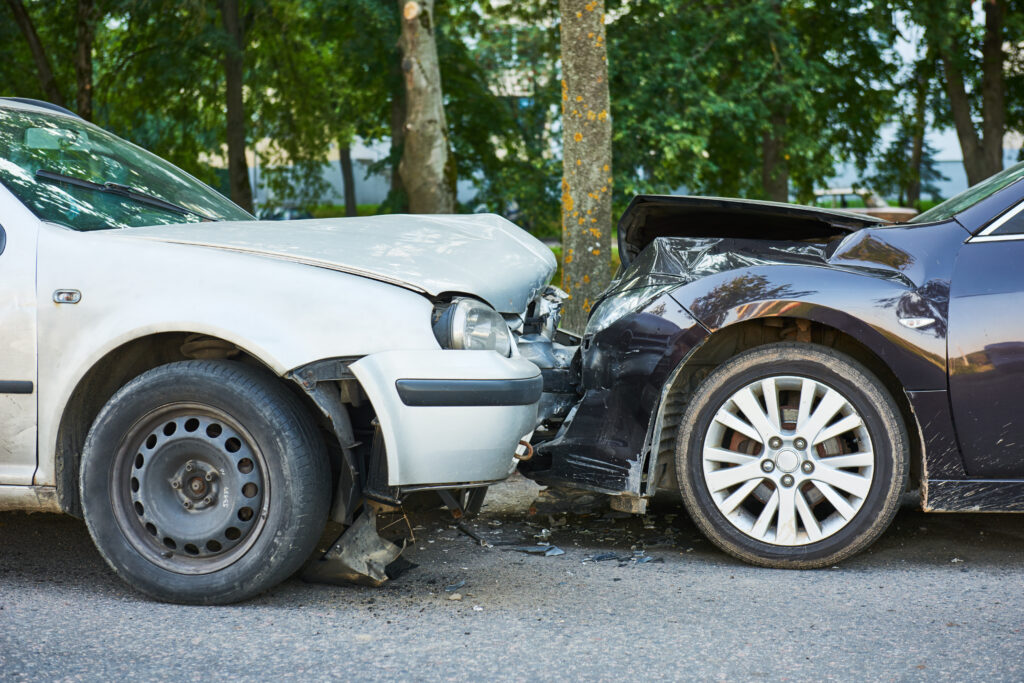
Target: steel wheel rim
x,y
189,488
788,460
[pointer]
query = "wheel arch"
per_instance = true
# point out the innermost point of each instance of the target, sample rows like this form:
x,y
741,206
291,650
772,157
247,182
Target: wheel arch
x,y
744,335
116,368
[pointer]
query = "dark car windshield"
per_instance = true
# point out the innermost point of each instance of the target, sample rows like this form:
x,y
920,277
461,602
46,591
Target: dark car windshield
x,y
971,195
73,173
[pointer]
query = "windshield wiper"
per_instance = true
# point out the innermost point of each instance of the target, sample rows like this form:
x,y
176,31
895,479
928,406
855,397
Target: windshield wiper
x,y
120,190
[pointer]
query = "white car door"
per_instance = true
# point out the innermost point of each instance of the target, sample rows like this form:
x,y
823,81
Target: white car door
x,y
17,341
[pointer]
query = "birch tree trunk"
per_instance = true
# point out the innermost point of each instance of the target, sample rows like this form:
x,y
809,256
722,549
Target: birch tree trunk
x,y
427,167
587,159
238,167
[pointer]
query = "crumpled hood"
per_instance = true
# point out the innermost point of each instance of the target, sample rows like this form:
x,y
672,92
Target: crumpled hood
x,y
480,254
649,217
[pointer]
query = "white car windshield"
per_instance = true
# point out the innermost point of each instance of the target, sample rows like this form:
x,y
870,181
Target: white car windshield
x,y
70,172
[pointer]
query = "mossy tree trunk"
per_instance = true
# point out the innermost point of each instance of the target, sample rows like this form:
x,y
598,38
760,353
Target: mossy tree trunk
x,y
427,167
587,160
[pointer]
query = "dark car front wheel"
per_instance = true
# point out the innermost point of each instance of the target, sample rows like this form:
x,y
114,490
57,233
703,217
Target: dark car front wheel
x,y
204,482
792,456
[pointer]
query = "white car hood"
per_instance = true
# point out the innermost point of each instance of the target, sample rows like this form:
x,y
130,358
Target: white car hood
x,y
479,254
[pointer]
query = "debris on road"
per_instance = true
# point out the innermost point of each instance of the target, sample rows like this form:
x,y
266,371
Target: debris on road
x,y
455,586
539,549
634,558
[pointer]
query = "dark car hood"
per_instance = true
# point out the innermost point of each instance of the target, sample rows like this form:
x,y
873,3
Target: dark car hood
x,y
651,216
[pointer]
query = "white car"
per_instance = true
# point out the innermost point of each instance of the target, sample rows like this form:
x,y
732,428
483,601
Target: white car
x,y
205,389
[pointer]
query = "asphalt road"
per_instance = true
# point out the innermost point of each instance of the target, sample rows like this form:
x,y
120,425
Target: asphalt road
x,y
940,597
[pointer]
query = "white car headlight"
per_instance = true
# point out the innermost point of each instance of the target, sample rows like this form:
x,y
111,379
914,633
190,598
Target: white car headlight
x,y
472,325
621,304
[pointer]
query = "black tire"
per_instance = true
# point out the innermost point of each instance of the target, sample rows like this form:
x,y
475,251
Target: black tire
x,y
202,448
863,393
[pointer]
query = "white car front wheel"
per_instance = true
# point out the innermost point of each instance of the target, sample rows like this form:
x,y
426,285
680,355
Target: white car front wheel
x,y
204,482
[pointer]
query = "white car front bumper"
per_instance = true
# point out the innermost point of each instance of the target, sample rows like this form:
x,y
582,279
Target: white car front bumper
x,y
450,417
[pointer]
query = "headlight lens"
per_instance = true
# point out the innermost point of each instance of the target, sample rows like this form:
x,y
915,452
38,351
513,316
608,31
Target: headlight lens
x,y
472,325
623,303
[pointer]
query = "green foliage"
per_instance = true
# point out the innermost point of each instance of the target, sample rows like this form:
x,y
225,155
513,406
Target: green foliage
x,y
697,88
694,87
894,172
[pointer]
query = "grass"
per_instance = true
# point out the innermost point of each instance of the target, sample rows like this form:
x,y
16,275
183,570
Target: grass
x,y
338,210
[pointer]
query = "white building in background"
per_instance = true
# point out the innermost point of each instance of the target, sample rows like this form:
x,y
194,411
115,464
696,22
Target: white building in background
x,y
371,188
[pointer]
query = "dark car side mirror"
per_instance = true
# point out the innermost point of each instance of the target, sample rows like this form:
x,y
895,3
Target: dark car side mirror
x,y
3,239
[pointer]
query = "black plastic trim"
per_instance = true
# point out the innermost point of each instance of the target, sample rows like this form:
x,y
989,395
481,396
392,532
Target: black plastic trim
x,y
11,386
975,495
469,392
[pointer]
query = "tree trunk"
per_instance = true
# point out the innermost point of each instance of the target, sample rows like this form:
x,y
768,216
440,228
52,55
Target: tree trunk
x,y
427,167
397,199
960,107
913,188
983,154
85,32
774,167
587,159
348,180
43,68
238,168
993,92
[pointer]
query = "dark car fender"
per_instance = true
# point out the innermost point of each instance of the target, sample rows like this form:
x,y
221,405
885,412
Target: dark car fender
x,y
880,295
862,313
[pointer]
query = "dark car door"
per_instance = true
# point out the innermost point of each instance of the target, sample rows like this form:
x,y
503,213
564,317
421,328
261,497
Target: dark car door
x,y
986,348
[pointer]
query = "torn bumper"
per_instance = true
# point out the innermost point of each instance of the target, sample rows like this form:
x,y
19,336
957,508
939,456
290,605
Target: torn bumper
x,y
450,417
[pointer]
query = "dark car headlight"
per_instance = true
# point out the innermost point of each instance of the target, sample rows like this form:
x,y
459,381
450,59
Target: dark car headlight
x,y
622,303
472,325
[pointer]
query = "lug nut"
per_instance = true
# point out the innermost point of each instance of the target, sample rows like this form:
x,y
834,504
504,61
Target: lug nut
x,y
175,484
767,466
188,504
209,476
800,444
207,500
787,480
189,467
775,442
807,467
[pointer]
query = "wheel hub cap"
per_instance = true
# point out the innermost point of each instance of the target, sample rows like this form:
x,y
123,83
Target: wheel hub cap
x,y
196,492
788,460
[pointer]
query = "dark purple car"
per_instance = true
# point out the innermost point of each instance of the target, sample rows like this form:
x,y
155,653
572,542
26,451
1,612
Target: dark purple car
x,y
793,371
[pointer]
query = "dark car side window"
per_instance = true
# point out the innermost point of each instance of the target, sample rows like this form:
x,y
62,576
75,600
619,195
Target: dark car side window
x,y
1013,225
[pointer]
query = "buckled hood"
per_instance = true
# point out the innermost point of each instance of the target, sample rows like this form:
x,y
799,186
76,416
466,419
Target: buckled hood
x,y
650,216
482,255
